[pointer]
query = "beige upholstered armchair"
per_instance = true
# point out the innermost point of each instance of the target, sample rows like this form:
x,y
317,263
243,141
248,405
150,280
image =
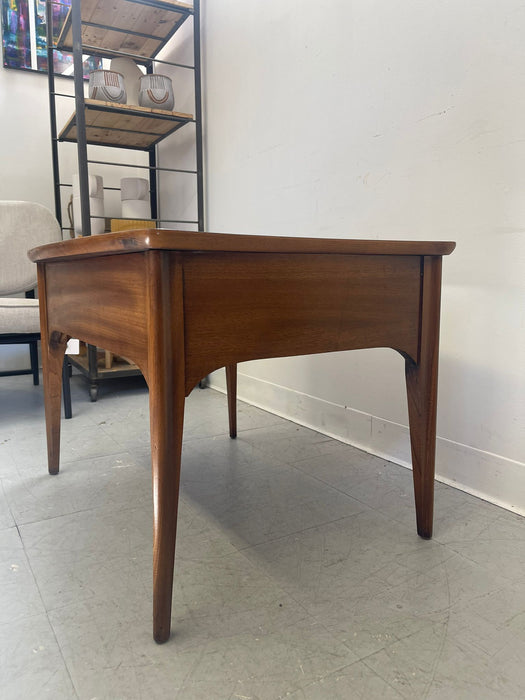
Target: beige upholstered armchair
x,y
24,225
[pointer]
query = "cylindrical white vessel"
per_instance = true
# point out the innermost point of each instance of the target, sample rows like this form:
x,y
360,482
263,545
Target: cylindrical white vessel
x,y
134,188
156,91
132,74
136,209
107,85
95,186
96,204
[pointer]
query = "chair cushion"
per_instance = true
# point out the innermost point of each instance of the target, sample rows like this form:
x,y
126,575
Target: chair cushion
x,y
19,315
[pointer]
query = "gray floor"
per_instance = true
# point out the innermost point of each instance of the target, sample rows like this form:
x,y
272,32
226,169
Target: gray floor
x,y
298,571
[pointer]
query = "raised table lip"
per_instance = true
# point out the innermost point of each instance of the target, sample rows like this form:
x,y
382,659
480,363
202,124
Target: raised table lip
x,y
141,240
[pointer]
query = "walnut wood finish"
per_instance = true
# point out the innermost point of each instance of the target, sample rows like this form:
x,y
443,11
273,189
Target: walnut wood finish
x,y
165,377
53,345
231,390
182,304
164,239
243,306
421,375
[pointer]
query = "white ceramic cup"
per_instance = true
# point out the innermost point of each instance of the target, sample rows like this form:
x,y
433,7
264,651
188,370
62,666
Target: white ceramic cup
x,y
96,204
156,91
136,209
96,209
107,85
132,74
95,186
134,188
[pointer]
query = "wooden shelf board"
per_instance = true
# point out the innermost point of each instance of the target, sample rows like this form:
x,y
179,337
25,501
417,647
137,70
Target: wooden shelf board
x,y
124,126
126,26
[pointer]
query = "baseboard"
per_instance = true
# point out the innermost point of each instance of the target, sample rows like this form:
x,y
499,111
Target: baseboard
x,y
488,476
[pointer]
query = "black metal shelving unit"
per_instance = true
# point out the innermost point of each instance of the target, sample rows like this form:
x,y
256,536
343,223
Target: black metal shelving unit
x,y
108,30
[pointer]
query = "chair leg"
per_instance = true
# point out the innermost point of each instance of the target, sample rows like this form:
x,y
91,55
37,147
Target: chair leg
x,y
33,354
66,388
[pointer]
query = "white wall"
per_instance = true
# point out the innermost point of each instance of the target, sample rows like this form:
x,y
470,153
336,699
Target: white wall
x,y
360,118
25,141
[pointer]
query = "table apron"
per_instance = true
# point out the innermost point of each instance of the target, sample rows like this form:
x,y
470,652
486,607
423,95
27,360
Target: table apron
x,y
244,306
101,301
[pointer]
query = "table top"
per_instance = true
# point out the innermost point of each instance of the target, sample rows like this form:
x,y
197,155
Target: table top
x,y
165,239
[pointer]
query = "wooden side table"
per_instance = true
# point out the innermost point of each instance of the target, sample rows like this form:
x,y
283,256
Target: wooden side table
x,y
182,304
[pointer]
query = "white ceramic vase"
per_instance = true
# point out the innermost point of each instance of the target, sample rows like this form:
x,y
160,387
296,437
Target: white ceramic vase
x,y
107,85
156,91
96,204
132,74
134,188
134,193
136,209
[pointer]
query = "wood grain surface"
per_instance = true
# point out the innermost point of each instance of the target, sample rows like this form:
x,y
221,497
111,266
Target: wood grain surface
x,y
165,239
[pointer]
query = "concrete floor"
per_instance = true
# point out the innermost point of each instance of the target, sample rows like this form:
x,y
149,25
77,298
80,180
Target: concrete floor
x,y
298,573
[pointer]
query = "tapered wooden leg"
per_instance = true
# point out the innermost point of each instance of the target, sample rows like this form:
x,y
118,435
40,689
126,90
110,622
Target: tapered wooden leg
x,y
421,381
53,346
231,388
53,350
167,414
165,377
